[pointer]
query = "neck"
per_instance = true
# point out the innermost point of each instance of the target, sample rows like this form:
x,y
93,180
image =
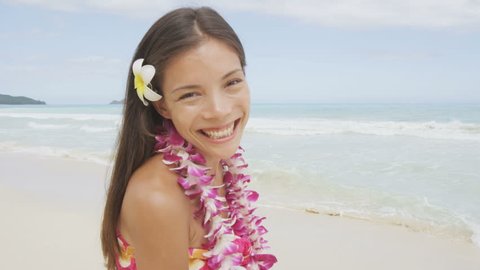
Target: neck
x,y
215,169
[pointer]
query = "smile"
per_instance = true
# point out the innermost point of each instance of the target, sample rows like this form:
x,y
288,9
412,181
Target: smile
x,y
223,133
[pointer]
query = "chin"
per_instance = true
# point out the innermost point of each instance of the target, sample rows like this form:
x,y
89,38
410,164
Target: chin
x,y
228,154
224,152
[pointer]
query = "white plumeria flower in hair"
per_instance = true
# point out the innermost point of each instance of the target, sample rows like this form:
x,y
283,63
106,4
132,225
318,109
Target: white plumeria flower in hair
x,y
143,76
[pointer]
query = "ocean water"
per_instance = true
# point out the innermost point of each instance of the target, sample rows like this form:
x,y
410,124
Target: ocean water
x,y
414,165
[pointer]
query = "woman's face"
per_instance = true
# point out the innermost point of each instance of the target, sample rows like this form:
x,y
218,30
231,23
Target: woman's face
x,y
207,98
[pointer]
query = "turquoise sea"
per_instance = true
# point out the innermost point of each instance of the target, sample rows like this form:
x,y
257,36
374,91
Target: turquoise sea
x,y
415,165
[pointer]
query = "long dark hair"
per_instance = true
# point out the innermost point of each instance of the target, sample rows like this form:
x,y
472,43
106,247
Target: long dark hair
x,y
176,32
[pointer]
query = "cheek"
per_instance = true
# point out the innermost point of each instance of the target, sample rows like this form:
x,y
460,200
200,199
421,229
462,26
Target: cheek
x,y
182,124
184,119
245,100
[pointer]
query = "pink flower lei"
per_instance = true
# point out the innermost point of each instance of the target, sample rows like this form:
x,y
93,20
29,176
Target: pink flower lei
x,y
234,242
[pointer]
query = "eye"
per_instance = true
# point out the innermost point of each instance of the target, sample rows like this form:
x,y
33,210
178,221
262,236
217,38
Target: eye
x,y
188,95
233,82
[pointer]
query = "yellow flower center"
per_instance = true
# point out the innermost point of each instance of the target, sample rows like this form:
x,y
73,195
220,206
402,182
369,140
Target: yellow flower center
x,y
127,253
139,83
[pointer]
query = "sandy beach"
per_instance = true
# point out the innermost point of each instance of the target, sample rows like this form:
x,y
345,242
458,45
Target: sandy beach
x,y
51,211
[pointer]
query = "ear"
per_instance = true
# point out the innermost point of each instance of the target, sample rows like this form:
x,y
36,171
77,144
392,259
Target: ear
x,y
161,108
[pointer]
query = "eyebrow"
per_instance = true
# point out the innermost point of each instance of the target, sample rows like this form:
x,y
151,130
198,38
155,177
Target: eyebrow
x,y
191,86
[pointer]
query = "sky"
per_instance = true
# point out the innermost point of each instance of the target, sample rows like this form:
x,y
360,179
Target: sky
x,y
350,51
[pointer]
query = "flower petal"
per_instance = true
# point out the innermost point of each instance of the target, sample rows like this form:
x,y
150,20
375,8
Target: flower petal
x,y
195,264
198,158
151,95
265,261
252,196
140,95
175,138
137,66
195,171
148,71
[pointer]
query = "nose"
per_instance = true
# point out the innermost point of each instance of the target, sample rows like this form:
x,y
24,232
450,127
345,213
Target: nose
x,y
218,106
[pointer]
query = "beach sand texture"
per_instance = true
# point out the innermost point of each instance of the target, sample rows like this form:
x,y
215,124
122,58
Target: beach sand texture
x,y
52,221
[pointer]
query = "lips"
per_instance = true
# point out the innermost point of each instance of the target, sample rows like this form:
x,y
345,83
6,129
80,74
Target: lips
x,y
218,133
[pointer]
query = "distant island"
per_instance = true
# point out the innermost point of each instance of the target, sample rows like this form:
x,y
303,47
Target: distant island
x,y
11,100
117,101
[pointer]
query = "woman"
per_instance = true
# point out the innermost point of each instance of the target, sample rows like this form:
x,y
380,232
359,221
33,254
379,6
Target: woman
x,y
177,197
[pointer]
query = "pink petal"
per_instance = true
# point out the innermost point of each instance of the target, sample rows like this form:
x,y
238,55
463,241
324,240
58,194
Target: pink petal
x,y
259,221
198,158
205,179
184,183
176,139
265,261
252,196
171,157
195,171
262,230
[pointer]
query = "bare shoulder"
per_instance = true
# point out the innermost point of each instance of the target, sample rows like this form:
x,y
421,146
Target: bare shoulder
x,y
153,176
155,217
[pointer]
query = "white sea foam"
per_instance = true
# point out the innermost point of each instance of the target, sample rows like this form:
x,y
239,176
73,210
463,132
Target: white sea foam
x,y
92,129
455,130
99,157
476,234
67,116
475,227
291,189
35,125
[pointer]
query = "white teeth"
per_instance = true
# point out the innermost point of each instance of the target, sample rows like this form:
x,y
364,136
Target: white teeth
x,y
218,134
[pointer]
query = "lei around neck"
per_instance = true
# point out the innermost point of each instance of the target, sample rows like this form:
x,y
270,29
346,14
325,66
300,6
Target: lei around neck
x,y
235,242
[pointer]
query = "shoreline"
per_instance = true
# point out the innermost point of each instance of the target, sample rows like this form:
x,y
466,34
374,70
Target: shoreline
x,y
319,241
452,234
52,211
